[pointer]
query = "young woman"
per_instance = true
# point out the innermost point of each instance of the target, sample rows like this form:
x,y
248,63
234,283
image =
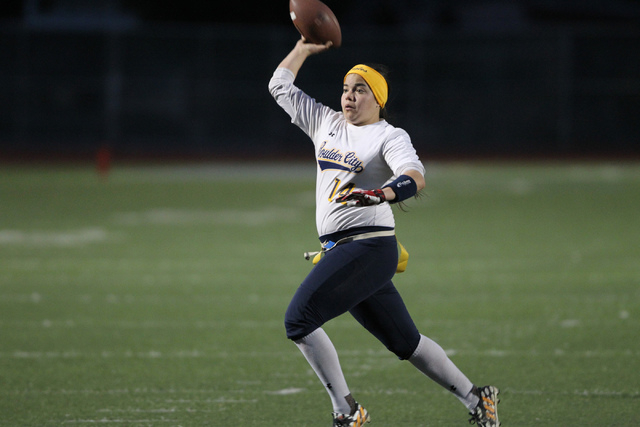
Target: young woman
x,y
364,165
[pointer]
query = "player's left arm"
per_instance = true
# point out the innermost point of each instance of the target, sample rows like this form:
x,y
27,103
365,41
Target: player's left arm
x,y
407,185
401,158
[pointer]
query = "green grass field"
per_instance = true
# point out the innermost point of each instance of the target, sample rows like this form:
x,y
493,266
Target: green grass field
x,y
156,297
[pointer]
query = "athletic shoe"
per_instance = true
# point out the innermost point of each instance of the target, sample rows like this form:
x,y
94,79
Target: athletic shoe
x,y
485,413
358,419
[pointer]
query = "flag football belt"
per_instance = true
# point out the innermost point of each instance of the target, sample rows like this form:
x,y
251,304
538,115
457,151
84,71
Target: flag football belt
x,y
403,255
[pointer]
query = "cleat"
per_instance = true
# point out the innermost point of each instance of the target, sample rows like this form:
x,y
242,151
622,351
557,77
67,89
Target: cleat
x,y
358,418
485,413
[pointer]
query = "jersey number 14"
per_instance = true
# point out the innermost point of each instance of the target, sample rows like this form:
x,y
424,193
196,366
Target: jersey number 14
x,y
336,185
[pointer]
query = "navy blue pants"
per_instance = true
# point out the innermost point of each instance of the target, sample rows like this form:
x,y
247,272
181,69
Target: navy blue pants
x,y
355,277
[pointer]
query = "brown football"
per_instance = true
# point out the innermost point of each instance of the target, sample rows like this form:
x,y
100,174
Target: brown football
x,y
315,21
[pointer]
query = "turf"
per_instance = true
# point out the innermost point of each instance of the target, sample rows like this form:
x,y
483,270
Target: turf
x,y
156,296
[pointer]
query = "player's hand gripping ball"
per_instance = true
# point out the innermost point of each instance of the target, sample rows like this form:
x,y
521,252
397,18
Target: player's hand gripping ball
x,y
315,21
363,198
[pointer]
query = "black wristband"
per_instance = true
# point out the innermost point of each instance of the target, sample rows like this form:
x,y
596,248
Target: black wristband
x,y
404,187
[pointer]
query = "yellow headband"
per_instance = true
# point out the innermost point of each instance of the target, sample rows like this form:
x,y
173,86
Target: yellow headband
x,y
375,80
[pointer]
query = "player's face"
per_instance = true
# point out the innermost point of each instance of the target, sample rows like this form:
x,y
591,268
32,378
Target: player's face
x,y
358,103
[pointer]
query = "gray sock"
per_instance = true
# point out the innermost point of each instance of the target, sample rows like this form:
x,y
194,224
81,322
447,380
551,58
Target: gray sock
x,y
319,351
431,360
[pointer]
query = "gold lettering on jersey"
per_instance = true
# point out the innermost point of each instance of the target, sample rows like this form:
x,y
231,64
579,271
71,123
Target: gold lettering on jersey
x,y
333,158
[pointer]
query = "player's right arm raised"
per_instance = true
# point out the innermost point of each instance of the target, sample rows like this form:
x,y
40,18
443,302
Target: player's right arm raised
x,y
302,50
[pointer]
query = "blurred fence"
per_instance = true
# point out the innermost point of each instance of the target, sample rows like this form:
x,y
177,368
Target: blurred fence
x,y
202,91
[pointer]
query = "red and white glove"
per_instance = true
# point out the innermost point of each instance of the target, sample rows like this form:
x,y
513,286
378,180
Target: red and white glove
x,y
363,198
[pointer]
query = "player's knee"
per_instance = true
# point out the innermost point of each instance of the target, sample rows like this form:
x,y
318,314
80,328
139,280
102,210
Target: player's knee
x,y
404,348
296,325
292,329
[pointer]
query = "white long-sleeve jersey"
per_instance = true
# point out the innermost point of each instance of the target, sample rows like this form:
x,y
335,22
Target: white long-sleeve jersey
x,y
348,157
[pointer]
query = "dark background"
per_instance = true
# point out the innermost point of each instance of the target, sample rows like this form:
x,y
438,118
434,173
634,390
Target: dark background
x,y
188,79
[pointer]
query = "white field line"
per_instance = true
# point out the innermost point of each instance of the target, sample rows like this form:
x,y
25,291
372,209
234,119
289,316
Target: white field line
x,y
140,410
145,391
198,354
290,391
286,391
264,216
50,238
623,317
53,263
584,393
144,324
162,216
634,394
218,400
121,421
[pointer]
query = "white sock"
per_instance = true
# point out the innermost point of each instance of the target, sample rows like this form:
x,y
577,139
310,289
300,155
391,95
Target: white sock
x,y
431,360
319,351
